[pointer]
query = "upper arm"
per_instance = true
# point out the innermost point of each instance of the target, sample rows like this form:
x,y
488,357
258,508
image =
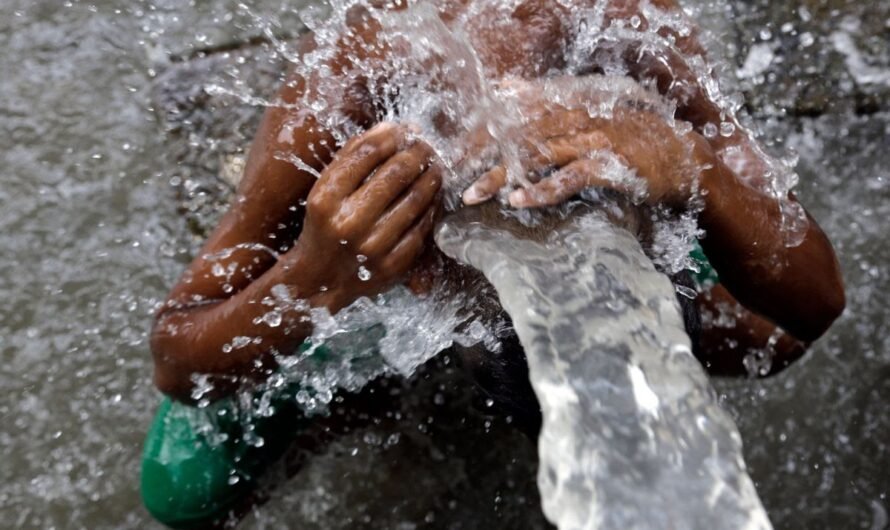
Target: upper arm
x,y
290,148
264,215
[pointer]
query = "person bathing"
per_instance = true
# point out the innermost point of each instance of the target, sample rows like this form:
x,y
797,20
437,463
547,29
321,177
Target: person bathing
x,y
379,195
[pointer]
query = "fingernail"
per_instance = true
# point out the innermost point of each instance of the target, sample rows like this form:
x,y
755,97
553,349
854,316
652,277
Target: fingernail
x,y
472,196
519,198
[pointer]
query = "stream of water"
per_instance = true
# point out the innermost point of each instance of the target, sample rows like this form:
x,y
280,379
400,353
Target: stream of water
x,y
633,436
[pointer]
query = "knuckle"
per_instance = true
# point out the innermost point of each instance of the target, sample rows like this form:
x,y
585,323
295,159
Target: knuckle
x,y
390,264
364,149
346,226
350,144
398,263
368,249
424,150
317,204
373,245
413,160
383,131
397,165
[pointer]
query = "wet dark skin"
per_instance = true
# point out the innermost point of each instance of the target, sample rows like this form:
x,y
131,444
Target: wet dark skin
x,y
378,197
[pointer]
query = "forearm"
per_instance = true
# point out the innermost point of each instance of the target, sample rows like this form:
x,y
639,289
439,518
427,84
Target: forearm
x,y
217,321
798,287
238,337
736,342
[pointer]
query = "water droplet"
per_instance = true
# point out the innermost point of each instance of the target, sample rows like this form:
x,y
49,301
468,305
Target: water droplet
x,y
726,129
240,341
364,274
807,39
253,439
392,440
688,292
709,131
272,319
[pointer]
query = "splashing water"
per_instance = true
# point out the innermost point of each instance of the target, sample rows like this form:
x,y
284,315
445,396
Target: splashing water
x,y
92,243
438,75
434,75
633,436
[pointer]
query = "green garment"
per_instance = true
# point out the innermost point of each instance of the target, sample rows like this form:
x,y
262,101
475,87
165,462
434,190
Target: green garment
x,y
706,275
191,478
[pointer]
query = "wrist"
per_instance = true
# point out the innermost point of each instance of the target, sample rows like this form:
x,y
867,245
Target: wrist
x,y
331,299
313,281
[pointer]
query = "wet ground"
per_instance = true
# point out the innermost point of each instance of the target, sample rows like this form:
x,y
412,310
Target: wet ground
x,y
91,235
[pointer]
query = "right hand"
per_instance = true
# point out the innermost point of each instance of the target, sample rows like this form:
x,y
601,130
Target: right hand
x,y
369,216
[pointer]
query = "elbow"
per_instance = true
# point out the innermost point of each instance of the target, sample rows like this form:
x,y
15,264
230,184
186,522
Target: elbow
x,y
175,370
822,314
172,384
835,303
171,374
820,288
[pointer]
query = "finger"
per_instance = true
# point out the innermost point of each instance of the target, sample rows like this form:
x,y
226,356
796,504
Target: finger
x,y
486,187
378,131
389,181
406,252
562,150
404,213
358,159
564,184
